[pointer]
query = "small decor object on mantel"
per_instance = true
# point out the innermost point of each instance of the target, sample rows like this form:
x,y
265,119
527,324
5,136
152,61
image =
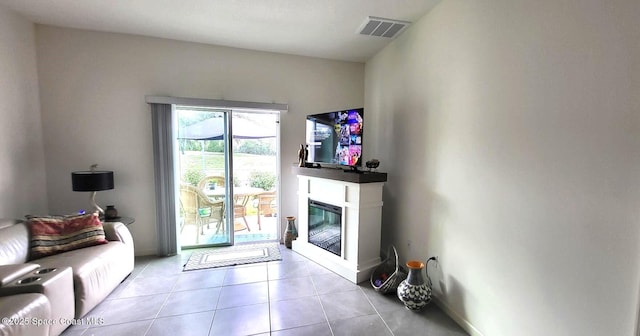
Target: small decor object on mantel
x,y
414,292
372,164
302,156
291,233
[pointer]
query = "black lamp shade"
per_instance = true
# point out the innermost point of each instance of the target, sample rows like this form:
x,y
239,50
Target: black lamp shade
x,y
92,181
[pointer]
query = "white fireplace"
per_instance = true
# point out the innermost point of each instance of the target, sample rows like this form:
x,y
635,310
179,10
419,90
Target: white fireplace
x,y
350,248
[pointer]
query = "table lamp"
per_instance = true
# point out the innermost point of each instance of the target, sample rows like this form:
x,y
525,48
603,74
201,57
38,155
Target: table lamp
x,y
92,180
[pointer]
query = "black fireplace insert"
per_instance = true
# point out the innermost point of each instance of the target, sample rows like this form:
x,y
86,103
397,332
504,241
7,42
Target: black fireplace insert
x,y
325,226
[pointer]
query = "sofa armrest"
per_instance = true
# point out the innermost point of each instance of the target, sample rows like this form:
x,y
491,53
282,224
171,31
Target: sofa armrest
x,y
116,231
17,310
11,272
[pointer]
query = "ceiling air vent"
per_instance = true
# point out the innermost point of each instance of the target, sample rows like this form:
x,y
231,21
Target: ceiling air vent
x,y
375,26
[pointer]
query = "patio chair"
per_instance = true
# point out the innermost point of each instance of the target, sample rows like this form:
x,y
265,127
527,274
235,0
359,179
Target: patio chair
x,y
198,209
266,205
240,210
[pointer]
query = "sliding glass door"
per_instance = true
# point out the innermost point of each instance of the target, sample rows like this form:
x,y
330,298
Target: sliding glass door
x,y
204,203
255,176
227,168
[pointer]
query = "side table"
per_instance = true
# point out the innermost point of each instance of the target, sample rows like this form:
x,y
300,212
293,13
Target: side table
x,y
124,220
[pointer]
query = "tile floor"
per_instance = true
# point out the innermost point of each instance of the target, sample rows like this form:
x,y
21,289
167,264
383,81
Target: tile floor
x,y
294,296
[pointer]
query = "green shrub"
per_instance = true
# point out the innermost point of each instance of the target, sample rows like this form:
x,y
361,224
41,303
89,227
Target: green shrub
x,y
214,146
190,145
264,180
192,176
256,147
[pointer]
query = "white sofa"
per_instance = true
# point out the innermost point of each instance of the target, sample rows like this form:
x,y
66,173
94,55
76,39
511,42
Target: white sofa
x,y
81,279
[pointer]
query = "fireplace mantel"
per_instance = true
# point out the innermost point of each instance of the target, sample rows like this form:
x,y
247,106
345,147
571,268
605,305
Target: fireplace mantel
x,y
361,205
341,175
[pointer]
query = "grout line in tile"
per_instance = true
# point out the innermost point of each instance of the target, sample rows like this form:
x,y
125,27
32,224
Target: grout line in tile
x,y
376,310
326,317
269,300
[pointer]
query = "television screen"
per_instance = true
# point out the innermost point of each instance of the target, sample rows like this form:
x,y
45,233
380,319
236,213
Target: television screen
x,y
335,137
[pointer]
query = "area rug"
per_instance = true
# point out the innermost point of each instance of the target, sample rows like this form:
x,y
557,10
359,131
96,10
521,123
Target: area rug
x,y
233,255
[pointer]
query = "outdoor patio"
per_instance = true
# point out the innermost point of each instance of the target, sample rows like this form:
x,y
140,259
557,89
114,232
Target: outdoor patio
x,y
242,235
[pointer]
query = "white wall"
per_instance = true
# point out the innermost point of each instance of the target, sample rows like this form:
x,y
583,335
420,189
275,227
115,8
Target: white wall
x,y
22,170
511,134
93,88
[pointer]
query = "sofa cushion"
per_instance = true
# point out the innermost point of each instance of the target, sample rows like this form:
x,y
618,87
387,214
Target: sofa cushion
x,y
51,235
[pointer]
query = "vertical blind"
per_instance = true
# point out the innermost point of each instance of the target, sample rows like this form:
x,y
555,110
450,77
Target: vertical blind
x,y
161,119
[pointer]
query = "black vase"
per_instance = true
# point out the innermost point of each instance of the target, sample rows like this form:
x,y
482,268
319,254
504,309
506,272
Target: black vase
x,y
111,212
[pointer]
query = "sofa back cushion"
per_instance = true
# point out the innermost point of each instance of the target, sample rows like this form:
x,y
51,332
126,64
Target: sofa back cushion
x,y
14,242
50,235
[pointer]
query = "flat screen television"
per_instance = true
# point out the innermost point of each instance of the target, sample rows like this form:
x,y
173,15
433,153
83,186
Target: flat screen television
x,y
335,138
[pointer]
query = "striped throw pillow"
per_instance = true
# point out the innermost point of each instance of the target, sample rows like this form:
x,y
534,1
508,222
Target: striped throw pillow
x,y
51,235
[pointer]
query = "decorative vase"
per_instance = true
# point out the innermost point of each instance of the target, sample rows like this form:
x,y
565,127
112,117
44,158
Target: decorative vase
x,y
111,212
291,221
291,233
414,292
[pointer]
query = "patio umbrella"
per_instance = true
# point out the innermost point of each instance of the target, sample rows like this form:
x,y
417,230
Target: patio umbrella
x,y
213,129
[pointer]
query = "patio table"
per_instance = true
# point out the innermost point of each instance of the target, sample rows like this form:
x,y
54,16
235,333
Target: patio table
x,y
241,197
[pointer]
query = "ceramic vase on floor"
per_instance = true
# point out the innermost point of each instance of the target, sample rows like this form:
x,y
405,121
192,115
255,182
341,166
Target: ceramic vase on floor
x,y
291,233
414,291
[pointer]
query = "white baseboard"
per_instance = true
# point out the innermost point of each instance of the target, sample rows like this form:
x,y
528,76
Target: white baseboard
x,y
463,323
